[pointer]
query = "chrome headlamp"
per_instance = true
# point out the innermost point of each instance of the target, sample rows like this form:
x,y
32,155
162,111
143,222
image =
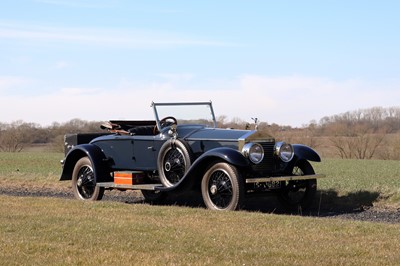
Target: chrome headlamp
x,y
284,151
254,152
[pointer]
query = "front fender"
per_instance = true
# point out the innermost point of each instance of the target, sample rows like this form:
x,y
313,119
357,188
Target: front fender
x,y
96,156
199,167
306,153
229,155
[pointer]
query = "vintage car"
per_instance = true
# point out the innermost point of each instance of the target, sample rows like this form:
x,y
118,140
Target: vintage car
x,y
182,150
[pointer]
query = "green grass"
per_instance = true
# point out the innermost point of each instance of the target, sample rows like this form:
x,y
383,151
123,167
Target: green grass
x,y
368,181
35,168
353,175
30,162
347,182
50,231
46,231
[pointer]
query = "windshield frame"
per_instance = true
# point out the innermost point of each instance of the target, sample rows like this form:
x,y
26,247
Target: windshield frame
x,y
207,104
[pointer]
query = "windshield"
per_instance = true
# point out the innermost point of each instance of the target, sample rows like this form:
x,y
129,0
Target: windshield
x,y
186,113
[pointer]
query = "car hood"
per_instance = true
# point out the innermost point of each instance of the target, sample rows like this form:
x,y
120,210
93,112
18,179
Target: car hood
x,y
226,134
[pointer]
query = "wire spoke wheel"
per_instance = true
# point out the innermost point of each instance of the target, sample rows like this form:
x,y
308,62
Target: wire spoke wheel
x,y
85,184
298,194
83,181
222,187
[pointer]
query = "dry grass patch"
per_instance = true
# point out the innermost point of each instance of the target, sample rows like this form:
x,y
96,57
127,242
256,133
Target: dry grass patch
x,y
38,231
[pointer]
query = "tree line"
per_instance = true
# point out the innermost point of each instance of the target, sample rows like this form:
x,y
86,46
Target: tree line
x,y
360,134
18,135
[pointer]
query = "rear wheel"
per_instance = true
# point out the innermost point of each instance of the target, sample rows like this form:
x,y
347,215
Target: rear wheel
x,y
298,195
222,187
83,181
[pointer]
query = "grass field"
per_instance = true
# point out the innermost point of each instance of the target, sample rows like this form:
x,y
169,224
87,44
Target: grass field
x,y
46,231
30,166
368,182
347,181
50,231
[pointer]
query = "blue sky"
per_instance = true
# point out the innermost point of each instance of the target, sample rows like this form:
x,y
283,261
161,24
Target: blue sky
x,y
285,62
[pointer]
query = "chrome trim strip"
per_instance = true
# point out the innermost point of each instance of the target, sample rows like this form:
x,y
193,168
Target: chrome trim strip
x,y
242,139
283,178
245,136
202,139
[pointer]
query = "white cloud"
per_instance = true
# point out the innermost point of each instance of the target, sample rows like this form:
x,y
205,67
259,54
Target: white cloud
x,y
101,37
296,100
11,82
73,92
78,3
291,100
102,4
177,77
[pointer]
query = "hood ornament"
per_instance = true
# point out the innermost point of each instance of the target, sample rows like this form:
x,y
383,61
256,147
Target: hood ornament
x,y
256,122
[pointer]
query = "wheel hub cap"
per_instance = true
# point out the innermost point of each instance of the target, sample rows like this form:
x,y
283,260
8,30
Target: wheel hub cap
x,y
167,166
79,182
213,190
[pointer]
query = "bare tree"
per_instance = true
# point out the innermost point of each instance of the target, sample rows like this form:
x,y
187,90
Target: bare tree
x,y
15,136
343,146
358,141
366,143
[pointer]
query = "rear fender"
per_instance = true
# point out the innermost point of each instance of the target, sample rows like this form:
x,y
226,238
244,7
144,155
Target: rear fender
x,y
99,161
199,167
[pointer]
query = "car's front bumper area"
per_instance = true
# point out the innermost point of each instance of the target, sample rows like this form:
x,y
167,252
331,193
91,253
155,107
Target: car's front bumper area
x,y
283,178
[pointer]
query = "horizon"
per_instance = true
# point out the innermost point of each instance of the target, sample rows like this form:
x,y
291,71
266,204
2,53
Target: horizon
x,y
227,120
283,62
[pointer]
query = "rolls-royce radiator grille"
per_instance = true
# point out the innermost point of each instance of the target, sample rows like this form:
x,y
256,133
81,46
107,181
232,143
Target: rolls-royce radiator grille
x,y
267,164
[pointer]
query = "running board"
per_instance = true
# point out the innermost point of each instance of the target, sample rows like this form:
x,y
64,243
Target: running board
x,y
283,178
141,187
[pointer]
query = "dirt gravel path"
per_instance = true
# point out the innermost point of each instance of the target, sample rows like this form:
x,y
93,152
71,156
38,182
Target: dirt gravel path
x,y
372,214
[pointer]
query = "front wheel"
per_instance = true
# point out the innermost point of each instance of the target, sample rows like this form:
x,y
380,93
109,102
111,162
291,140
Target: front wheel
x,y
222,187
83,181
298,195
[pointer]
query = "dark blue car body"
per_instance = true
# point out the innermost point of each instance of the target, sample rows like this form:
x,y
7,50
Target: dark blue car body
x,y
171,155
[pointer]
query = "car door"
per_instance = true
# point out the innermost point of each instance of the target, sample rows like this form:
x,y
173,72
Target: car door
x,y
144,155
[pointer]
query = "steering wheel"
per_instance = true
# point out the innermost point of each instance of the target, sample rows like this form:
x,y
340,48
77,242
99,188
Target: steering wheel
x,y
165,122
168,121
